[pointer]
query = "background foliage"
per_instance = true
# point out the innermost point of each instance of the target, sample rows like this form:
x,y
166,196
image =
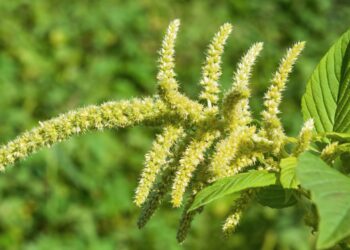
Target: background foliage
x,y
59,55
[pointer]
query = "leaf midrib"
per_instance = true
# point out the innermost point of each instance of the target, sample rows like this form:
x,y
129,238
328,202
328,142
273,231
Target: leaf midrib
x,y
341,94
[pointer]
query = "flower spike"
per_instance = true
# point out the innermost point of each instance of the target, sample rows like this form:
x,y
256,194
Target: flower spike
x,y
212,68
166,75
226,150
156,159
239,206
236,101
192,157
271,124
241,162
107,115
155,198
167,84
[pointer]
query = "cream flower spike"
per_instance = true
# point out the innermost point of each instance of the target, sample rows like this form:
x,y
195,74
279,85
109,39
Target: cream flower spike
x,y
166,74
242,161
163,184
167,84
271,124
192,157
156,159
212,67
236,101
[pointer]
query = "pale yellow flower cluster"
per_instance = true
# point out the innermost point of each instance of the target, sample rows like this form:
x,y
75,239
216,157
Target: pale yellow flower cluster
x,y
232,222
192,157
200,142
156,159
272,126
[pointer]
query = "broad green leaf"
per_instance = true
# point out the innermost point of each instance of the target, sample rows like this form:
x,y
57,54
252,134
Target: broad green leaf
x,y
276,197
340,137
330,191
327,98
233,184
288,178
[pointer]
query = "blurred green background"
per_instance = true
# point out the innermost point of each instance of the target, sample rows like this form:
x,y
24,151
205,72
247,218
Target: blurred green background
x,y
57,55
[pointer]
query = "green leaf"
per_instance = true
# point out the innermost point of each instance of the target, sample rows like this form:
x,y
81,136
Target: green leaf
x,y
327,98
288,177
340,137
276,197
330,191
233,184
